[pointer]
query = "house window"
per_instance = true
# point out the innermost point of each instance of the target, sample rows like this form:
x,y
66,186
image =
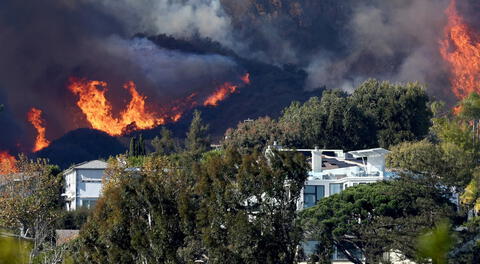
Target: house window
x,y
312,194
335,188
89,203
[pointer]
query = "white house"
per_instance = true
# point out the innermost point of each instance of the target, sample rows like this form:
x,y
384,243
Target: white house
x,y
333,171
83,184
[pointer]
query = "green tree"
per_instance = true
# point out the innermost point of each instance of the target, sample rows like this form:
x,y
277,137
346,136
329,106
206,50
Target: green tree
x,y
443,164
133,147
137,147
375,218
253,135
400,112
165,145
247,211
436,243
198,140
227,207
139,217
141,146
30,201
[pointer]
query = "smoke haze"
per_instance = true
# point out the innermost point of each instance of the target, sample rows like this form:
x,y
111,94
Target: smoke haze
x,y
338,43
44,43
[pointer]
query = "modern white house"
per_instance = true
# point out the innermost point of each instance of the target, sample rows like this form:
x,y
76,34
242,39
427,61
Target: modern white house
x,y
83,184
334,170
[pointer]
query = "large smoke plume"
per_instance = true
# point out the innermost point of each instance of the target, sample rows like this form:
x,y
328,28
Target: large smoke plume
x,y
338,43
394,40
46,42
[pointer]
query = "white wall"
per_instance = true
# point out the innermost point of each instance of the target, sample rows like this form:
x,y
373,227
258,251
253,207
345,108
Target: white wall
x,y
89,183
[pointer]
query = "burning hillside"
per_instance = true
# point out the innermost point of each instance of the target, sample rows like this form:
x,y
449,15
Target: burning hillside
x,y
94,104
126,82
35,118
461,49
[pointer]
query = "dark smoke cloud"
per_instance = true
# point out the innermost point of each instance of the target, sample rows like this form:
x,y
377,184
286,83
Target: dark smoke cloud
x,y
180,18
394,40
338,43
46,42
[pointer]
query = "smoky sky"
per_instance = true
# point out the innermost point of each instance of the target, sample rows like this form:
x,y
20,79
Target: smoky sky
x,y
338,43
46,42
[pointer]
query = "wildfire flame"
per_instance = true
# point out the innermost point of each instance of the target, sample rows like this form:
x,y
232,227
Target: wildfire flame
x,y
461,50
220,94
224,90
94,104
98,110
7,163
246,78
35,118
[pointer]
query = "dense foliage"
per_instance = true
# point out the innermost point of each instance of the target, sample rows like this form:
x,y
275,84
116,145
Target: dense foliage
x,y
375,218
186,203
30,201
375,114
229,208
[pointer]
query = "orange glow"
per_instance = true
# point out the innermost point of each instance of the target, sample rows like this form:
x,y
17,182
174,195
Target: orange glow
x,y
462,51
220,94
246,78
35,118
7,163
98,110
456,110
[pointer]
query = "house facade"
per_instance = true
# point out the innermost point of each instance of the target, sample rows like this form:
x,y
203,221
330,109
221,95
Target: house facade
x,y
83,184
334,170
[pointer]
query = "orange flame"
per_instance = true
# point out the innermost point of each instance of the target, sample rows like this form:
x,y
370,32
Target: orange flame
x,y
220,94
98,110
246,78
462,52
7,163
456,110
35,118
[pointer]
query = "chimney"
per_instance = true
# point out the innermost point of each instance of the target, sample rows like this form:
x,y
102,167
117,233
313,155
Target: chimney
x,y
316,160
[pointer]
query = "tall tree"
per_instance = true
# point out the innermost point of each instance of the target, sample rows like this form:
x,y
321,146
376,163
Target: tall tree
x,y
132,151
400,112
30,201
374,219
247,211
198,140
253,135
139,217
440,165
164,145
227,207
141,146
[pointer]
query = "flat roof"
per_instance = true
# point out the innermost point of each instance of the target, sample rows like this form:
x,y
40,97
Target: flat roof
x,y
375,152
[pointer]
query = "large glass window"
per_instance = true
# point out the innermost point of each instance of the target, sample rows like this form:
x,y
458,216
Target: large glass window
x,y
90,203
312,194
335,188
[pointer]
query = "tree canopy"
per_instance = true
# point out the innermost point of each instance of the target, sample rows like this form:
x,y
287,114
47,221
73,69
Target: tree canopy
x,y
375,114
374,219
226,207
